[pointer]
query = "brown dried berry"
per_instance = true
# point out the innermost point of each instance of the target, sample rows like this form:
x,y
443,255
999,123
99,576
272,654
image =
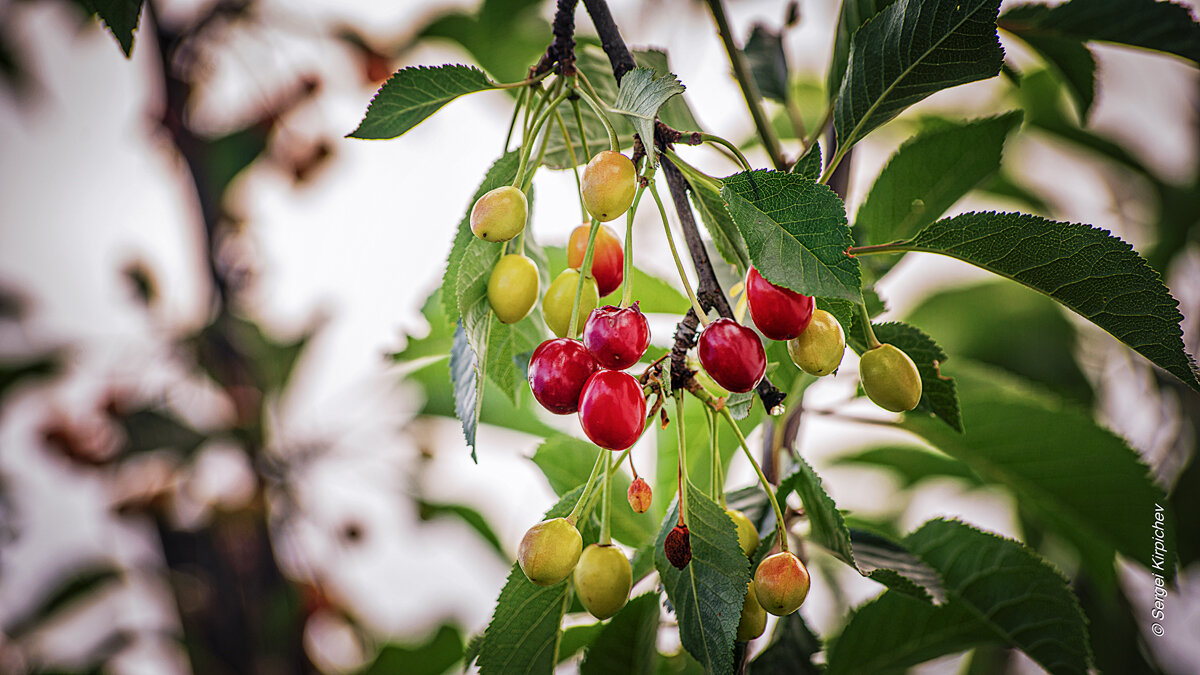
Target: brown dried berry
x,y
678,546
639,496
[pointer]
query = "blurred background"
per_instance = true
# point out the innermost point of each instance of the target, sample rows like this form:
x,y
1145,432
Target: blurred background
x,y
219,450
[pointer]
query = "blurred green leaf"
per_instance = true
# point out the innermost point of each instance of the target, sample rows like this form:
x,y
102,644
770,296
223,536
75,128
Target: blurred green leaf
x,y
768,63
629,643
474,519
790,650
148,429
434,657
72,587
911,464
119,16
1072,61
415,93
707,593
525,35
720,226
675,113
577,638
1162,26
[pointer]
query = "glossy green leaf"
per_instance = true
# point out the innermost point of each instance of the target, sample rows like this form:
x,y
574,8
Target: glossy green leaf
x,y
851,17
795,232
1162,26
707,593
577,638
434,657
910,50
911,464
768,63
809,164
1071,475
1093,273
938,395
413,94
720,226
524,631
629,643
464,381
641,94
896,631
929,174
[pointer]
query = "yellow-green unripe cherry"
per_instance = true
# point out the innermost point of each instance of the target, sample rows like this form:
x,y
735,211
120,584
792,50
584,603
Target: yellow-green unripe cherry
x,y
560,298
513,287
747,534
890,378
608,185
549,551
603,578
781,583
818,350
500,214
754,618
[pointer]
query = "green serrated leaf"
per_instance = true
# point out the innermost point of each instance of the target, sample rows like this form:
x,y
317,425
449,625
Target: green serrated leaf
x,y
641,94
1010,588
897,631
1162,26
1070,474
577,638
1091,272
928,174
567,462
1072,61
795,232
768,63
442,650
880,560
675,113
910,50
119,16
720,226
464,381
791,649
851,17
502,172
938,395
809,164
707,593
628,643
498,342
415,93
912,464
524,632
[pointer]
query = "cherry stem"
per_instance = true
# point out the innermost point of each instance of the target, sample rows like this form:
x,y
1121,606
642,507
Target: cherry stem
x,y
588,487
585,271
662,211
779,531
718,482
512,125
592,100
693,174
817,129
536,129
627,279
522,83
582,133
837,159
605,500
562,128
717,140
872,341
683,479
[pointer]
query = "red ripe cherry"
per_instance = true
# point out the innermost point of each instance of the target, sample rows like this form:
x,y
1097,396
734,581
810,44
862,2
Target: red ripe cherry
x,y
732,355
616,337
612,409
608,258
780,313
558,370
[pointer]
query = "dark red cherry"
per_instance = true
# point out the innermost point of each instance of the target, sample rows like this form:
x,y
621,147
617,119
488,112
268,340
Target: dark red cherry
x,y
612,409
678,546
616,337
780,313
732,355
558,370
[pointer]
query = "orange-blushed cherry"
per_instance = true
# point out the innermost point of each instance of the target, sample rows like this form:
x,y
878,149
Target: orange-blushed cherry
x,y
608,185
639,495
781,583
549,551
608,258
499,215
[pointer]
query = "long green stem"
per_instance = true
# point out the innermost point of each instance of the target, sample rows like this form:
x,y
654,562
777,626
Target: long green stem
x,y
868,332
537,128
833,164
780,532
741,71
694,175
512,125
587,155
613,142
718,483
891,247
588,487
818,128
713,138
562,128
684,482
605,500
585,271
522,83
541,154
700,314
627,274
